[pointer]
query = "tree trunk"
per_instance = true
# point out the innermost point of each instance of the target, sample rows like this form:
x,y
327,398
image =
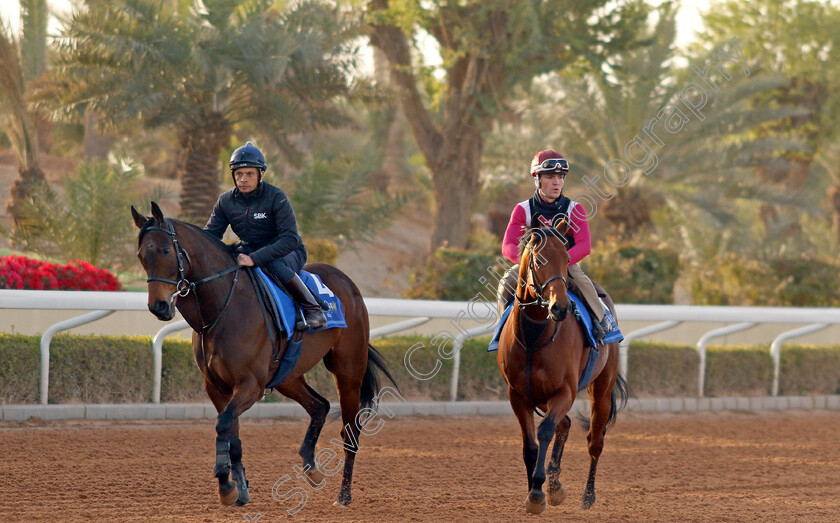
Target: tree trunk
x,y
453,150
22,190
96,145
394,163
202,142
389,134
455,178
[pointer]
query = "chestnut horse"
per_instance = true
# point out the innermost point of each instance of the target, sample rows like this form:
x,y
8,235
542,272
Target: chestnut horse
x,y
542,355
198,274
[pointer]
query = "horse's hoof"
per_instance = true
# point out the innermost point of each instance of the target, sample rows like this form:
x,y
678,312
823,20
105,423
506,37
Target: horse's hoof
x,y
339,504
243,498
228,496
315,476
536,502
588,500
557,495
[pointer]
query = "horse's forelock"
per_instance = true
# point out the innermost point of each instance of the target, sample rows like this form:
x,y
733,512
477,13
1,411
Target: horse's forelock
x,y
543,232
526,238
150,222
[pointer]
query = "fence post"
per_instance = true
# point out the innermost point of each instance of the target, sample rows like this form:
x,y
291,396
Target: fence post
x,y
701,349
776,349
157,355
45,346
456,363
624,346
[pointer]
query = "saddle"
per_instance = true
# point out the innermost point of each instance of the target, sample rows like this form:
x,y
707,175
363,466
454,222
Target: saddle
x,y
270,311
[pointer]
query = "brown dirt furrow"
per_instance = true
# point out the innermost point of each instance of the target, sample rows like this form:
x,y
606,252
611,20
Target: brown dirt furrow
x,y
706,467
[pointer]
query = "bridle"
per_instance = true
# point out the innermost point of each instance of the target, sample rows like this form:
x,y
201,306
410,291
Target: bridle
x,y
537,287
540,301
183,286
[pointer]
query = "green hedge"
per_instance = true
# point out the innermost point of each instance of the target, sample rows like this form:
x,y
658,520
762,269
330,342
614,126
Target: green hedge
x,y
810,370
480,378
19,373
107,369
662,369
748,370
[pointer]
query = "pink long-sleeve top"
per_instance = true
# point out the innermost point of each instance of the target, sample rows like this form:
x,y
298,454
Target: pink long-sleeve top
x,y
520,219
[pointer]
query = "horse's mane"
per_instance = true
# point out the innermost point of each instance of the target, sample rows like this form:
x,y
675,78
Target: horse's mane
x,y
151,222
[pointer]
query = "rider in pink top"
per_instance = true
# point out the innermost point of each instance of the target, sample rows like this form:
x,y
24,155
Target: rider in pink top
x,y
520,219
548,206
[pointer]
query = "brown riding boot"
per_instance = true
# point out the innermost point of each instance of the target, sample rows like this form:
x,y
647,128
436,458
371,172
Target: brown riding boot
x,y
313,316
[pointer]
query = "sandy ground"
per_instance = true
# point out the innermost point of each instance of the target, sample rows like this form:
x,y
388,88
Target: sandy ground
x,y
707,467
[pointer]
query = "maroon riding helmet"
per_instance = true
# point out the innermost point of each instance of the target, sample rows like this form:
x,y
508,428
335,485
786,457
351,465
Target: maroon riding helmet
x,y
548,161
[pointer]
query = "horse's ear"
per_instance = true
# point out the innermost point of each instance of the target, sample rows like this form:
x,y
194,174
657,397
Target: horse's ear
x,y
139,219
562,226
157,214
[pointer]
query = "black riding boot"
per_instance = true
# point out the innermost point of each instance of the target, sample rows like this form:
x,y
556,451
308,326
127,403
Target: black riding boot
x,y
600,328
312,313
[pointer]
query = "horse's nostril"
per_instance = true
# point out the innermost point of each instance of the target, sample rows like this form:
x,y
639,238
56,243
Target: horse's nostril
x,y
160,307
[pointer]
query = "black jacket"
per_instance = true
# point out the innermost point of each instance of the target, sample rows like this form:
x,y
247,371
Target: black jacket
x,y
263,219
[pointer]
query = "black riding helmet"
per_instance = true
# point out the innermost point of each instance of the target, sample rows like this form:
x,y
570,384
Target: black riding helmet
x,y
247,156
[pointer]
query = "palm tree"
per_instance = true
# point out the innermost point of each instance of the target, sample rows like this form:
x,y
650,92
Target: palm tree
x,y
207,69
701,170
17,122
33,16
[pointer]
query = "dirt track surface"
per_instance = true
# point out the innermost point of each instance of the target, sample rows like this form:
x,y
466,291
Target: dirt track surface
x,y
708,467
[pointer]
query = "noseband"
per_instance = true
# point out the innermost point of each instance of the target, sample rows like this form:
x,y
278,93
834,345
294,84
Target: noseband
x,y
183,286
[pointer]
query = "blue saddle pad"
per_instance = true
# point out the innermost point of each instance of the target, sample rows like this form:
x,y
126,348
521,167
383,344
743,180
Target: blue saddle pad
x,y
583,316
335,314
335,318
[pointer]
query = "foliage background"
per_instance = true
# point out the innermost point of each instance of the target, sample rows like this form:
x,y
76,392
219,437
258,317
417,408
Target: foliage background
x,y
748,198
106,369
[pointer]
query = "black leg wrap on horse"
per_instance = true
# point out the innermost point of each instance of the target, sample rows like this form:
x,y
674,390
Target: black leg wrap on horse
x,y
238,473
235,450
222,467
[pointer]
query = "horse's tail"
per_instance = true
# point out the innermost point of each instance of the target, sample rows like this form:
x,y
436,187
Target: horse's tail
x,y
370,383
618,400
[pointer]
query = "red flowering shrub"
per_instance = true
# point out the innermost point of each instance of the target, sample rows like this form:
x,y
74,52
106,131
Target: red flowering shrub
x,y
20,272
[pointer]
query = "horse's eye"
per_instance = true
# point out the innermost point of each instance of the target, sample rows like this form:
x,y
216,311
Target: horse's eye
x,y
165,251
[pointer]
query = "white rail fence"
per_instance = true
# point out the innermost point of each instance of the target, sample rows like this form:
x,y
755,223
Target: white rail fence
x,y
422,311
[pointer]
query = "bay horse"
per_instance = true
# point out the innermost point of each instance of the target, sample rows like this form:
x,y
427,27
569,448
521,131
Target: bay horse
x,y
542,355
235,350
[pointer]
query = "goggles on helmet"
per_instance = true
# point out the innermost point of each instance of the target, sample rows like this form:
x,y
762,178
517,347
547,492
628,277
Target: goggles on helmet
x,y
551,165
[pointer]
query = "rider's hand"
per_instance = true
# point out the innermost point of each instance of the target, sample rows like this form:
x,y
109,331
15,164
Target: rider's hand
x,y
244,259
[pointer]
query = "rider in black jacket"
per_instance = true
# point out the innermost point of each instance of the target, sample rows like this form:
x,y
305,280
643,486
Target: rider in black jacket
x,y
262,216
